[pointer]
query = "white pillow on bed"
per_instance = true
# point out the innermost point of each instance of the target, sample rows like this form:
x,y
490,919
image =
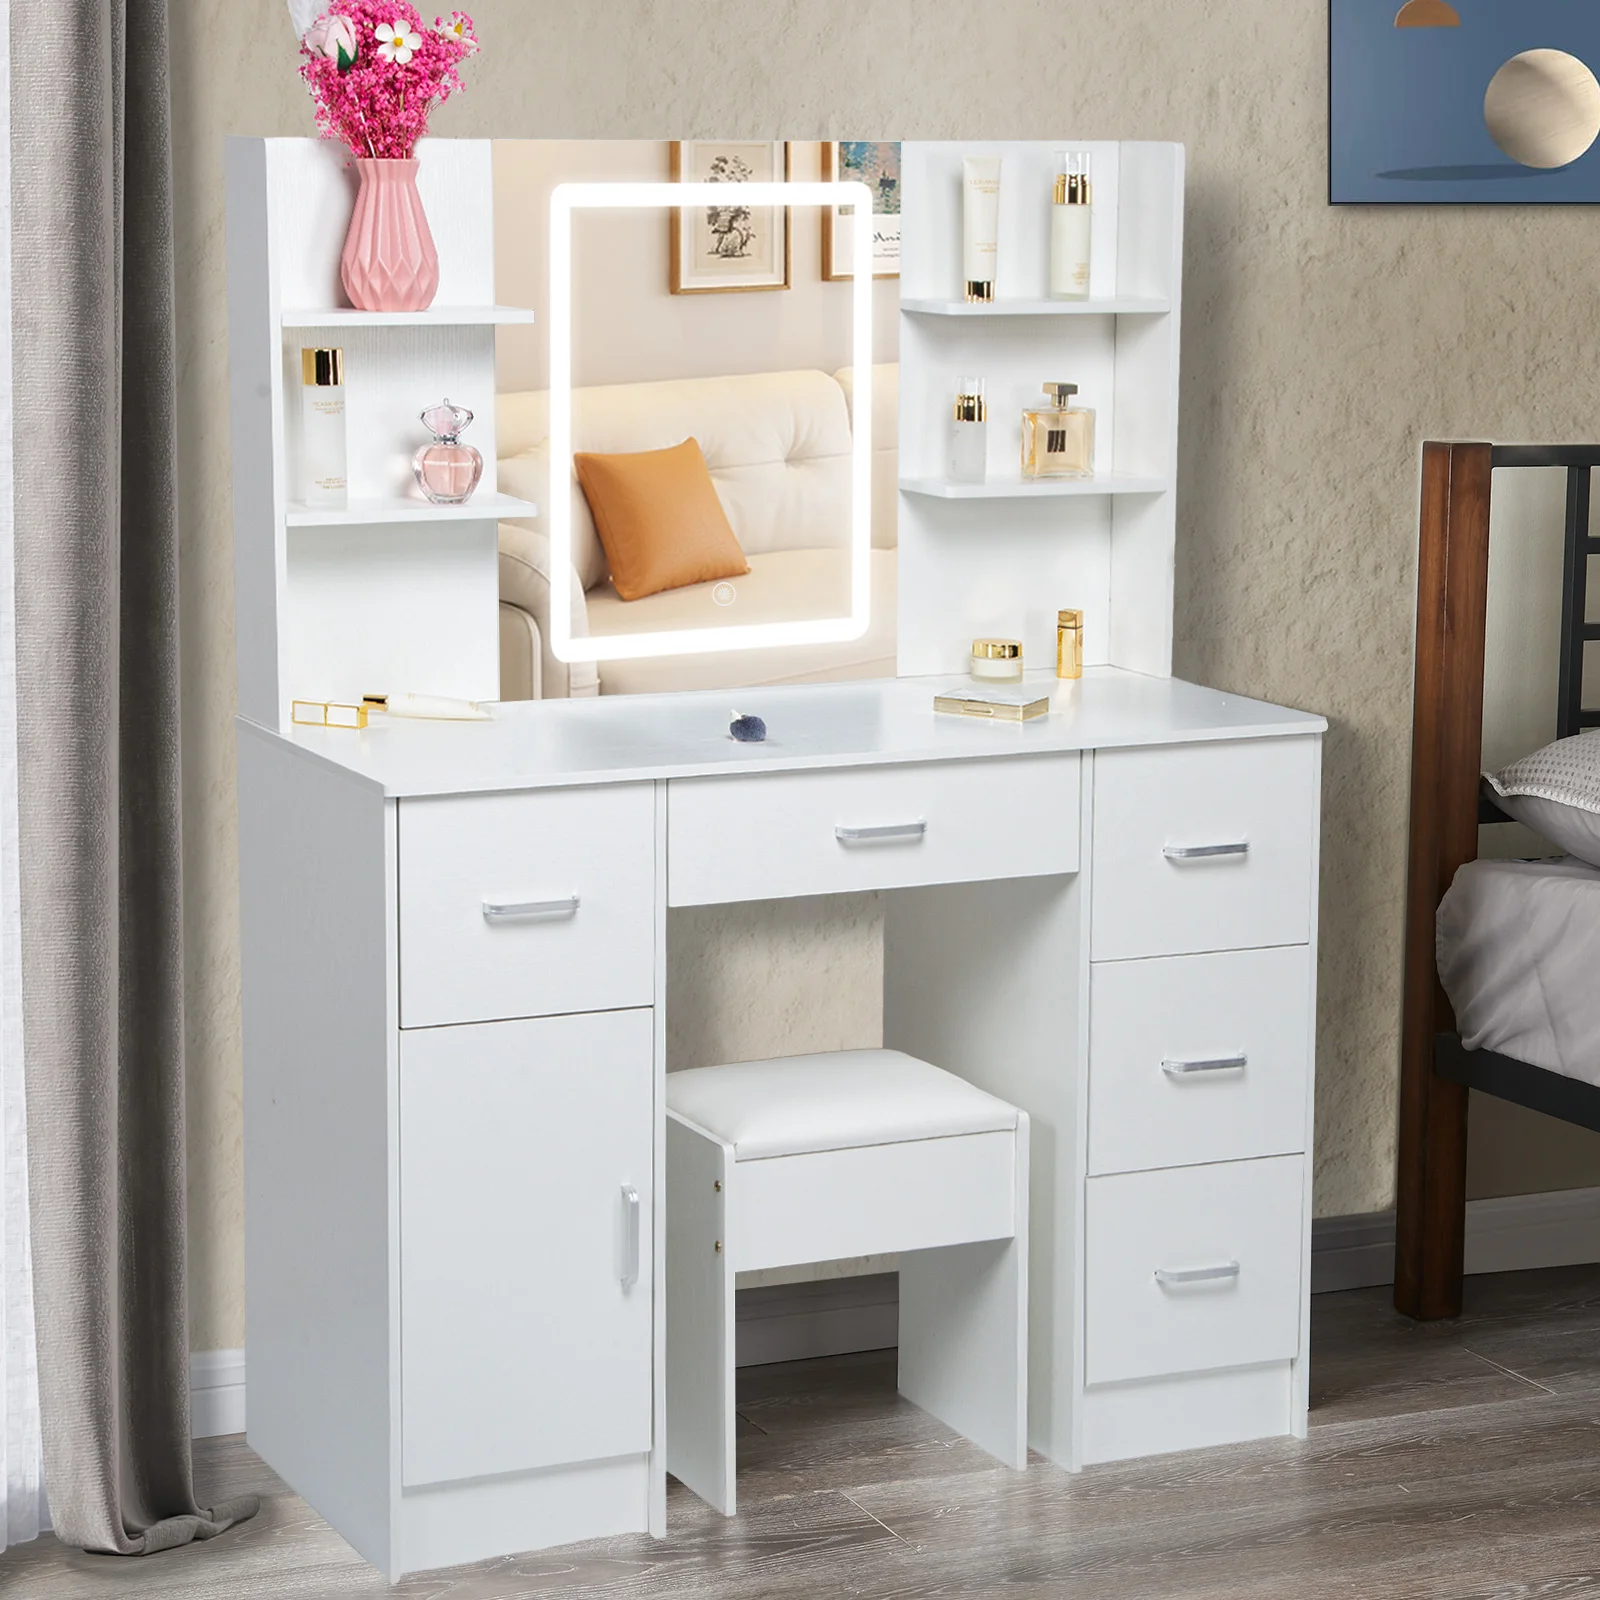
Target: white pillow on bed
x,y
1556,792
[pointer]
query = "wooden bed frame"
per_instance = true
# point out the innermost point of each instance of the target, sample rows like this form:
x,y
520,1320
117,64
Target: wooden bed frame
x,y
1436,1070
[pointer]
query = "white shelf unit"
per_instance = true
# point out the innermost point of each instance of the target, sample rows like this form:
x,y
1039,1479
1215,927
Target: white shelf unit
x,y
391,594
1002,557
1119,306
436,316
403,508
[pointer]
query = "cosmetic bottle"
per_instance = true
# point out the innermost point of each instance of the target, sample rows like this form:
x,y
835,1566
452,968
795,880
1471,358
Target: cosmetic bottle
x,y
1071,218
446,470
1058,438
997,660
969,434
980,225
1069,644
322,455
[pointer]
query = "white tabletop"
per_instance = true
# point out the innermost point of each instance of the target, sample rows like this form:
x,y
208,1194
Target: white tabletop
x,y
537,744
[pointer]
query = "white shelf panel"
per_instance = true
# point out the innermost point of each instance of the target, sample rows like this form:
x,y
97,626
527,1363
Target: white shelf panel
x,y
1031,488
433,317
1123,306
398,508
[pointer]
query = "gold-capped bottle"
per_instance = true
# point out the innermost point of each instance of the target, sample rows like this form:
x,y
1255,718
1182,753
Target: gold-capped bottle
x,y
1058,438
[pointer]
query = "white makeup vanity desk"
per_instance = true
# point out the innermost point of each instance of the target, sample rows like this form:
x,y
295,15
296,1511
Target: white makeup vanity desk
x,y
455,935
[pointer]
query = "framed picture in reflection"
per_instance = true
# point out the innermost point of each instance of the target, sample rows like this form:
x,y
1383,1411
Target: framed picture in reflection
x,y
876,163
718,249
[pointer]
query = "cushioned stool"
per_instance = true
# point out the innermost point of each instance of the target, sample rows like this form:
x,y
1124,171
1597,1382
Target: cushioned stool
x,y
814,1158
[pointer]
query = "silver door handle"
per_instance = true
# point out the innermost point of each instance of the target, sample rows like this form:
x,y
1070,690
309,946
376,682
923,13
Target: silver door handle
x,y
1179,1068
888,830
1202,852
630,1236
529,910
1229,1269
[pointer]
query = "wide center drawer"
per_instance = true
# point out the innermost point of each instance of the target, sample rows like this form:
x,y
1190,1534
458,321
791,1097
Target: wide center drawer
x,y
526,905
768,836
1203,847
1193,1269
1198,1058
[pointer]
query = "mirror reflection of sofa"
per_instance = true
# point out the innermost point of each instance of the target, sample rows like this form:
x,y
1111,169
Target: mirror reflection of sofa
x,y
778,446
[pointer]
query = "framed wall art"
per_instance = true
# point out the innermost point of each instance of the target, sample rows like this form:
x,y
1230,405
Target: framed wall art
x,y
876,163
718,249
1452,102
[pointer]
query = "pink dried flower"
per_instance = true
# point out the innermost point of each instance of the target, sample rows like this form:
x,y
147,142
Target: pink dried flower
x,y
377,100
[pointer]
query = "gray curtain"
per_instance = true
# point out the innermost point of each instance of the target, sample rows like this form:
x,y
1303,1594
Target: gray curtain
x,y
98,803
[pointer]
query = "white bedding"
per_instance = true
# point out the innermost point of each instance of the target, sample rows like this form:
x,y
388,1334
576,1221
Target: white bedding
x,y
1518,946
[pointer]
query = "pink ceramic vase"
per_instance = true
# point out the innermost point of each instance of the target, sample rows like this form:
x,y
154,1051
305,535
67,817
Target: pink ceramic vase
x,y
389,262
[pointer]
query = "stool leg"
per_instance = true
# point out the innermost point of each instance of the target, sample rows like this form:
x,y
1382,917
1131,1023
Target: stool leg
x,y
964,1333
700,1350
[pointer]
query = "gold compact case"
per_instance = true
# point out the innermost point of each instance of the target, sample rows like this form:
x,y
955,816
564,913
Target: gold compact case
x,y
977,705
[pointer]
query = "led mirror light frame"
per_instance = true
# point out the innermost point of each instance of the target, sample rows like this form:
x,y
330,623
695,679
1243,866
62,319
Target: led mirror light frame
x,y
567,198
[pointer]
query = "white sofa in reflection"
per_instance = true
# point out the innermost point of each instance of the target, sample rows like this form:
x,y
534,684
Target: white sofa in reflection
x,y
778,446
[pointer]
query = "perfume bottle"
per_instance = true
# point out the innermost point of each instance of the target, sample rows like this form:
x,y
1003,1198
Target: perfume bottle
x,y
1058,438
969,434
1070,225
1069,644
322,452
447,471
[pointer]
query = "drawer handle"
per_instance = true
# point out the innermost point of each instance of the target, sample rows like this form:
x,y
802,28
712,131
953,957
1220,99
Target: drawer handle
x,y
1205,852
529,910
1228,1269
630,1241
882,833
1186,1069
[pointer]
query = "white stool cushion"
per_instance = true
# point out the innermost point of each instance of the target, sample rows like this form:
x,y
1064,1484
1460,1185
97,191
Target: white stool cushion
x,y
838,1100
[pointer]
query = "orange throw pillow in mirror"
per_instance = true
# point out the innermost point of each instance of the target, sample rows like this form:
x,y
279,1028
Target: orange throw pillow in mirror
x,y
659,518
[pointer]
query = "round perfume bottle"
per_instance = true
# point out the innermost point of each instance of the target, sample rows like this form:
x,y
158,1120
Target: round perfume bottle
x,y
447,471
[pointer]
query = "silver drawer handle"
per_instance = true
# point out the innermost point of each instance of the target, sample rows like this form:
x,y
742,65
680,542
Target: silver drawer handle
x,y
1229,1269
887,830
630,1246
1183,1069
529,910
1203,852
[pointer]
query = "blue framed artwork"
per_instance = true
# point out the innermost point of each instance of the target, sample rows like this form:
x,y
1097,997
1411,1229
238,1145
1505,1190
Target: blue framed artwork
x,y
1453,102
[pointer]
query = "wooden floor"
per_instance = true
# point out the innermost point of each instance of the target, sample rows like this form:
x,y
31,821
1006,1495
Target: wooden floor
x,y
1454,1461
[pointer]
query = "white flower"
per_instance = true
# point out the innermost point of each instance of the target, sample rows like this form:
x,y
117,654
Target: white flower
x,y
397,43
459,30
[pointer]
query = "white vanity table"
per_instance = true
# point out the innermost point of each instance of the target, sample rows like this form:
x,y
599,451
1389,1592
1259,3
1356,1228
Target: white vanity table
x,y
455,944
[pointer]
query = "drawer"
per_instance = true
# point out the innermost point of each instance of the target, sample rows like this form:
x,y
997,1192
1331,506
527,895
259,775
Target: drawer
x,y
770,836
526,905
1193,1269
1203,847
1198,1058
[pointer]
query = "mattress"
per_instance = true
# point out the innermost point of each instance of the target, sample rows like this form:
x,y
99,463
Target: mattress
x,y
1518,946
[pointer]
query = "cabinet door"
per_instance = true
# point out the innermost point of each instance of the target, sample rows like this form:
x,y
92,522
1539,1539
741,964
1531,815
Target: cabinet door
x,y
523,1343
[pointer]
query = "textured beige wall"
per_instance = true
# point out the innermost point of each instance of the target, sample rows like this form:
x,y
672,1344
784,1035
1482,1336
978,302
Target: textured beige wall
x,y
1320,346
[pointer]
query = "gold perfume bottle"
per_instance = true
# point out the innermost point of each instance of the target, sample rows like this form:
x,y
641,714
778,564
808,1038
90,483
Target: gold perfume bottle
x,y
1058,438
1069,644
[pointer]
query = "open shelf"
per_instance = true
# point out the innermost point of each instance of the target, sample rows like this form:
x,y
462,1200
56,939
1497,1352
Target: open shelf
x,y
434,317
1031,488
1121,306
405,508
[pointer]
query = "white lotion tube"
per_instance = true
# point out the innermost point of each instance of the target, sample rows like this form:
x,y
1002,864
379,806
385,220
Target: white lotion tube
x,y
1071,221
980,225
439,707
322,452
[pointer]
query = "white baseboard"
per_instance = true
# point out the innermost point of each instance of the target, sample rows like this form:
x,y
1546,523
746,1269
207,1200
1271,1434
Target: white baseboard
x,y
216,1393
800,1321
830,1317
1510,1234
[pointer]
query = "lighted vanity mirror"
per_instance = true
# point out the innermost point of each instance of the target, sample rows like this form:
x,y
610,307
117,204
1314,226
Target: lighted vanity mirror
x,y
714,362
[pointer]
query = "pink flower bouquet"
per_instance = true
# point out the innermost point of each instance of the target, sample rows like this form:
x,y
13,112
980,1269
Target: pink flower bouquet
x,y
376,72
